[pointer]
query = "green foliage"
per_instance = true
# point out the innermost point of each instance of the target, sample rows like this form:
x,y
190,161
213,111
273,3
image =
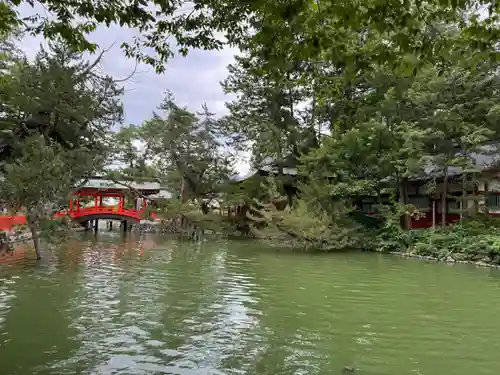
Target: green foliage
x,y
314,229
5,245
131,154
357,98
405,34
358,113
60,97
183,150
171,208
474,240
40,177
54,231
55,117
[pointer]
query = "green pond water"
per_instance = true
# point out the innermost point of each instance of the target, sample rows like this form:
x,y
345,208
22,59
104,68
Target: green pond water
x,y
156,306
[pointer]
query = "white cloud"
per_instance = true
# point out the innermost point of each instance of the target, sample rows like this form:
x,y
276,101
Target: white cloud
x,y
193,80
242,165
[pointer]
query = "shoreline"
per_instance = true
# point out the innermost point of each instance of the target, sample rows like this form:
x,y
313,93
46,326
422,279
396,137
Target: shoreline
x,y
25,236
448,260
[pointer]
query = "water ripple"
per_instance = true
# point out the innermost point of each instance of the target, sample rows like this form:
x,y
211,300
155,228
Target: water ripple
x,y
149,306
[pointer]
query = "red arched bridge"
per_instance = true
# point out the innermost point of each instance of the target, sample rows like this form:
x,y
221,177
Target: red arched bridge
x,y
101,199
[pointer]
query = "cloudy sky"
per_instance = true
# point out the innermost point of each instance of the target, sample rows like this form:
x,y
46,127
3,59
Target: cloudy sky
x,y
193,79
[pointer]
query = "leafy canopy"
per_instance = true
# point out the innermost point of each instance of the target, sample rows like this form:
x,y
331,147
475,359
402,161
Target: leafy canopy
x,y
410,26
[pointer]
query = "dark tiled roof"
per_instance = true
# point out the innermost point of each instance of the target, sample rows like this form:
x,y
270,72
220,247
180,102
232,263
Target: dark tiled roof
x,y
486,157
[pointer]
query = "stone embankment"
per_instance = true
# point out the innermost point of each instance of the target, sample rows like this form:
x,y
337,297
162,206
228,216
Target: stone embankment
x,y
451,259
19,236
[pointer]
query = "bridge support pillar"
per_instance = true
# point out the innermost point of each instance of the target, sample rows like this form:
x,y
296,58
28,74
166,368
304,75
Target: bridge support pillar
x,y
124,226
96,225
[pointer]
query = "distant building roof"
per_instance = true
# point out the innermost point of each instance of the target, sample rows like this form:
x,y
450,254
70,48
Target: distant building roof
x,y
94,183
253,171
487,157
161,194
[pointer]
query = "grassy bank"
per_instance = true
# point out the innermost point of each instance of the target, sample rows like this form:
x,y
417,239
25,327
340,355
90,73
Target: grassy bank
x,y
472,241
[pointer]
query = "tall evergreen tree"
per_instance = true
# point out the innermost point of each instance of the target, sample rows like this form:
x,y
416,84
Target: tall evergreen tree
x,y
187,150
55,114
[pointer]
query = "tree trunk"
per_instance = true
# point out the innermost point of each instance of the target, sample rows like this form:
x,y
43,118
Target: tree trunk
x,y
444,195
183,188
462,199
403,200
433,214
181,199
486,200
33,221
406,199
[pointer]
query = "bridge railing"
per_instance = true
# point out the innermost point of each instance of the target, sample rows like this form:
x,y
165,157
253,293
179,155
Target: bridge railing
x,y
7,222
84,211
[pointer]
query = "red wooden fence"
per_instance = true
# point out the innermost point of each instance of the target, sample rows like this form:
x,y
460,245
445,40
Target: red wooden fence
x,y
7,222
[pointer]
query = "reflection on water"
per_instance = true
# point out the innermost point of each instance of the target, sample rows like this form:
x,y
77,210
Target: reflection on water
x,y
145,305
